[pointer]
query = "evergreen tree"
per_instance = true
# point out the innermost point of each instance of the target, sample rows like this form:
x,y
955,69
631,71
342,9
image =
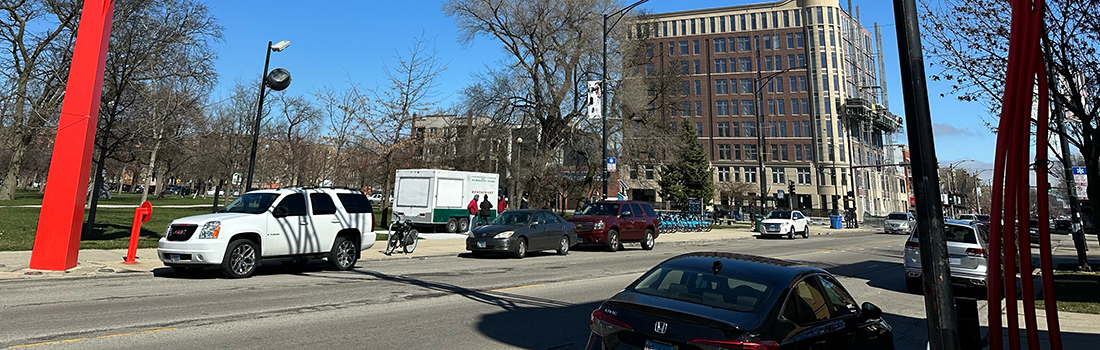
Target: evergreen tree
x,y
690,175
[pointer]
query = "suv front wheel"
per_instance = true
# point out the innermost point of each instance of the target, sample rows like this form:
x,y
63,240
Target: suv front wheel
x,y
242,257
343,255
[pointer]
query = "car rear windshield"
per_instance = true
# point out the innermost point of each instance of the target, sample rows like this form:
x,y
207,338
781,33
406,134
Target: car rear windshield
x,y
601,209
897,216
963,234
779,215
252,203
983,217
720,290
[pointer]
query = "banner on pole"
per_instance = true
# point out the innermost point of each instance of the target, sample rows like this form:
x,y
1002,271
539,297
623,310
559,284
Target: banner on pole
x,y
595,99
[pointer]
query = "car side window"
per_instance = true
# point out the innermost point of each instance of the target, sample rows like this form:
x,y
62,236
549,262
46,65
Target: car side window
x,y
625,211
355,203
539,218
806,304
322,204
797,216
551,218
636,209
648,209
295,204
841,303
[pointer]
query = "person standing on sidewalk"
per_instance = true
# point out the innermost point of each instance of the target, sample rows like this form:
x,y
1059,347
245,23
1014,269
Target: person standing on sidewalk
x,y
486,208
523,202
472,208
502,205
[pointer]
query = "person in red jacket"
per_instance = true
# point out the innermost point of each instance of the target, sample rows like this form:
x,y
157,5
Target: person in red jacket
x,y
472,208
502,205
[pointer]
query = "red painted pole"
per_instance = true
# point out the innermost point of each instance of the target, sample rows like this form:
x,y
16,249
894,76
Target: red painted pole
x,y
1046,264
141,215
57,240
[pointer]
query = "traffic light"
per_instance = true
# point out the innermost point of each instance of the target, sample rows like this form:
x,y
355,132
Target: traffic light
x,y
851,193
790,186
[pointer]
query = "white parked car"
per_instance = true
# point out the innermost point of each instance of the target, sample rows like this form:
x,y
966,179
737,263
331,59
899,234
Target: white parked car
x,y
788,223
375,198
899,222
290,225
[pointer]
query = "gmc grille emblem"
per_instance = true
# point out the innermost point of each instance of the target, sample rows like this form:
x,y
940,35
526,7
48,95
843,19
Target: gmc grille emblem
x,y
660,327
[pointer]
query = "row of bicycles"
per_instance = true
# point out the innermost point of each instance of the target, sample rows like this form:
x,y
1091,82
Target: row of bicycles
x,y
672,222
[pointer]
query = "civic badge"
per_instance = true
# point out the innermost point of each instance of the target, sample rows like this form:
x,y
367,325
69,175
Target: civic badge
x,y
660,327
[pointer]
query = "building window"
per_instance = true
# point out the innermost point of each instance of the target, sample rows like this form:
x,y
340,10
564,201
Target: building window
x,y
750,152
685,108
724,152
783,152
698,108
779,64
798,18
797,152
649,172
747,107
752,17
771,107
722,24
699,129
779,176
737,151
723,108
786,18
798,39
805,107
844,177
830,15
734,109
720,86
782,108
746,86
684,47
698,88
720,44
720,65
768,63
750,174
775,152
778,83
772,126
750,128
744,44
695,45
723,129
803,176
782,127
745,64
724,174
696,65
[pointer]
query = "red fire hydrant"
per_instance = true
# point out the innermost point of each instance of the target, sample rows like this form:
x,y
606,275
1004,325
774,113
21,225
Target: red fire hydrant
x,y
141,215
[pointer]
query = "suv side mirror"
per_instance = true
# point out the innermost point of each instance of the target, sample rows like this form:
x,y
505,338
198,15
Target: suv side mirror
x,y
870,311
626,214
280,212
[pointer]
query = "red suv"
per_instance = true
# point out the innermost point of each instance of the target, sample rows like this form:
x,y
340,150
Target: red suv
x,y
612,223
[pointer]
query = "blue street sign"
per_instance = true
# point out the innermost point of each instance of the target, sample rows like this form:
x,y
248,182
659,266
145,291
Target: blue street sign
x,y
1079,170
611,160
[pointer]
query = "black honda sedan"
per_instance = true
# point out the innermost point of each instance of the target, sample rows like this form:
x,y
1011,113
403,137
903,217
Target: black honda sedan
x,y
521,231
733,301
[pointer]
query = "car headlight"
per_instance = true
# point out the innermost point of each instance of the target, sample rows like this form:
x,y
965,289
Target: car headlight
x,y
471,234
504,234
210,230
598,225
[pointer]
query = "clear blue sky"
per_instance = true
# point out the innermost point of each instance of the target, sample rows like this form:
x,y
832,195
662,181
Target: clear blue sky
x,y
335,42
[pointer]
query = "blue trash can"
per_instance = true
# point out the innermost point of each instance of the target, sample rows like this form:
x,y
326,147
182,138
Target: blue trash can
x,y
836,221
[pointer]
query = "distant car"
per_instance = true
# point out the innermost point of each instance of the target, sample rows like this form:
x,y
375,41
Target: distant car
x,y
520,231
614,222
899,222
966,254
790,223
734,301
1063,225
982,218
375,198
174,190
210,192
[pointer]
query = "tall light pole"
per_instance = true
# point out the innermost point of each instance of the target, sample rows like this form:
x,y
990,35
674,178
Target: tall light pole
x,y
278,80
603,82
978,190
951,185
758,101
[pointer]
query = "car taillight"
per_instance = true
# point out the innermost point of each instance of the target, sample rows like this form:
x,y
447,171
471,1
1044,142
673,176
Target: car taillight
x,y
912,244
603,324
714,344
975,252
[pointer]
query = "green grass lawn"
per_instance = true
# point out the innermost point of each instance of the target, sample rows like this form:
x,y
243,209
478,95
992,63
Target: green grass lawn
x,y
112,229
23,197
1076,292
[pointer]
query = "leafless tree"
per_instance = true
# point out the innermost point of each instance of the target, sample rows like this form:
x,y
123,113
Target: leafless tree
x,y
35,65
968,40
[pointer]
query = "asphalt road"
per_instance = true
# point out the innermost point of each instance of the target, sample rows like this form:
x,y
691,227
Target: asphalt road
x,y
458,302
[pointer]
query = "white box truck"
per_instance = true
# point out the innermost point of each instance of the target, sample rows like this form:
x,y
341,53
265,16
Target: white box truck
x,y
439,197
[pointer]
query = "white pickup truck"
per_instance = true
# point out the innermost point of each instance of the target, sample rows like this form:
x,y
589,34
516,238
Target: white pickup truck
x,y
292,225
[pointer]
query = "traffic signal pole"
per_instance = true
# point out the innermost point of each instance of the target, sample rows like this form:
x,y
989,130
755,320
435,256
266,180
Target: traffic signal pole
x,y
939,299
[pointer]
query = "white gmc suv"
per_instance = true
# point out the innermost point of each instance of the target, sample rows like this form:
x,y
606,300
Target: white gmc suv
x,y
290,224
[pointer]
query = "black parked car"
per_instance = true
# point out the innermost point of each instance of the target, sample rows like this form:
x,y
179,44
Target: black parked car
x,y
523,230
1063,225
733,301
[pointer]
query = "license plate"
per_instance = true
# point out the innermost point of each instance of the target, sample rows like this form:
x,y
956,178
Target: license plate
x,y
174,257
481,244
955,261
651,345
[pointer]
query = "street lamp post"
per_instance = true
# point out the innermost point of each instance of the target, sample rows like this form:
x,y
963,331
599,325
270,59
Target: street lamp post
x,y
603,82
758,102
951,185
277,82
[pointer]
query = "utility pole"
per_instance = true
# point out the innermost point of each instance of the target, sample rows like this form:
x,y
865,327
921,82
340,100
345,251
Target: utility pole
x,y
1067,168
943,325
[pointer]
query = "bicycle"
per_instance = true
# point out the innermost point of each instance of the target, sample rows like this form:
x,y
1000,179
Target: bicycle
x,y
402,233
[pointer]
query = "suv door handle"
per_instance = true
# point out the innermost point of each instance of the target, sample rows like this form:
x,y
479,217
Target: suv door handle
x,y
335,220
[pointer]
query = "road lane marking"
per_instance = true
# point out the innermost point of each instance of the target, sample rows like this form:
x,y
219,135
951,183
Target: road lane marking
x,y
827,250
136,333
46,343
99,337
511,288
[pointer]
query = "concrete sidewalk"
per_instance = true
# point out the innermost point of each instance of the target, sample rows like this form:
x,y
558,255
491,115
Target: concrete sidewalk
x,y
106,262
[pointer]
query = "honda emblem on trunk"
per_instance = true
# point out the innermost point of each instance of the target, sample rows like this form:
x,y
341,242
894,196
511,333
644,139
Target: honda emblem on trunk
x,y
660,327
